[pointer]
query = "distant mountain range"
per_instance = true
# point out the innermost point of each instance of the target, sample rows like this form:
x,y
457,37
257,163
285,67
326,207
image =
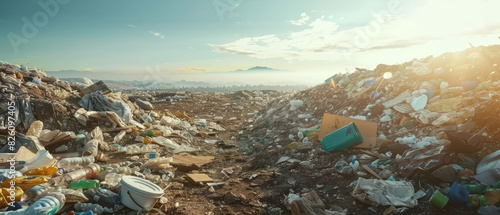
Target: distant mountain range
x,y
92,74
258,75
260,69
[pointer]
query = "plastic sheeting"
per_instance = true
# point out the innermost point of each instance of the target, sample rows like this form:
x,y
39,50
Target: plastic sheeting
x,y
98,102
488,170
21,140
23,113
382,192
427,159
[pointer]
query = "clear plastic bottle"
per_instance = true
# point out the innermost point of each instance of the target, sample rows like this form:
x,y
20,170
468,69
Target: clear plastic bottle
x,y
147,171
35,191
88,172
151,155
91,148
113,179
120,170
46,205
119,136
153,178
73,163
97,209
104,197
157,162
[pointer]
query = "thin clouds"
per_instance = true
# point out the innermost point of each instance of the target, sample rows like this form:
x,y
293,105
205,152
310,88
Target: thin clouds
x,y
193,70
132,26
321,39
302,21
157,34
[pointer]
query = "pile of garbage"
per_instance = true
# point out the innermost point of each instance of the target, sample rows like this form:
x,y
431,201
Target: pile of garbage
x,y
421,133
416,137
84,149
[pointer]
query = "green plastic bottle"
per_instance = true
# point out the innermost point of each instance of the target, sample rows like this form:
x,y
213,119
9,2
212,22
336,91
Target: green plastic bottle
x,y
476,201
476,188
84,184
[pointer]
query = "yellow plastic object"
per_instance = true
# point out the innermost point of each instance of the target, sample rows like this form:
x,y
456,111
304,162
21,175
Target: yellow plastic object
x,y
147,140
157,133
26,182
48,171
5,196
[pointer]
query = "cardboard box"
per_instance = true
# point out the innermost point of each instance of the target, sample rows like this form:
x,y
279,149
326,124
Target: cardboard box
x,y
332,122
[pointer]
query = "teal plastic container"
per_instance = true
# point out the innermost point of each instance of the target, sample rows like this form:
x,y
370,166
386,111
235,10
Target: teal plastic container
x,y
342,138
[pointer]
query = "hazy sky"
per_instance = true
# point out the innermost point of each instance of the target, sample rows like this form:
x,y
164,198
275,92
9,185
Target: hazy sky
x,y
194,36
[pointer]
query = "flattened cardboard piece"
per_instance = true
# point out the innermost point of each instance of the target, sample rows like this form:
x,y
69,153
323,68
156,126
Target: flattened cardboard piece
x,y
332,122
197,178
23,154
99,86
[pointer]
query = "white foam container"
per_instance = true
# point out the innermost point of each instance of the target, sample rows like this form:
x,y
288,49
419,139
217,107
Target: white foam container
x,y
137,193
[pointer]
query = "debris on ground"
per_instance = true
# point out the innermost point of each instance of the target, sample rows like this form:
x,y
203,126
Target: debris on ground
x,y
424,133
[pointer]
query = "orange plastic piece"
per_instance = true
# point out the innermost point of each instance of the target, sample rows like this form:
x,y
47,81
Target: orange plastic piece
x,y
48,171
147,140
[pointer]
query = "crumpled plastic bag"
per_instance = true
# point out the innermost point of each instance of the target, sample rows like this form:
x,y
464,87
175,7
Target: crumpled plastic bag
x,y
445,105
98,102
427,159
82,116
451,118
383,192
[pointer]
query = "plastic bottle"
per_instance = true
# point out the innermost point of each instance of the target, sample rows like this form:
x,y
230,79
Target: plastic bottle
x,y
488,210
476,200
91,148
97,209
343,167
72,163
112,179
118,147
84,184
151,155
89,172
35,191
62,148
354,164
104,197
147,171
157,162
476,188
119,136
80,137
46,205
152,177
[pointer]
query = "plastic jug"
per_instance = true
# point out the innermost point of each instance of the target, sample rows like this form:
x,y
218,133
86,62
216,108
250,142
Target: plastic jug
x,y
458,193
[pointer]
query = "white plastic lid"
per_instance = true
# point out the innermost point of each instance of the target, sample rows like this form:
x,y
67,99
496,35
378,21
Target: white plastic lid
x,y
419,103
141,186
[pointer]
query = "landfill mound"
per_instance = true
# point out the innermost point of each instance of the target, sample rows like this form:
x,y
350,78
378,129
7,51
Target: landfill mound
x,y
416,138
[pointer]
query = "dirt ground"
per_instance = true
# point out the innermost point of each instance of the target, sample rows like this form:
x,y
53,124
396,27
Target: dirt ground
x,y
258,185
